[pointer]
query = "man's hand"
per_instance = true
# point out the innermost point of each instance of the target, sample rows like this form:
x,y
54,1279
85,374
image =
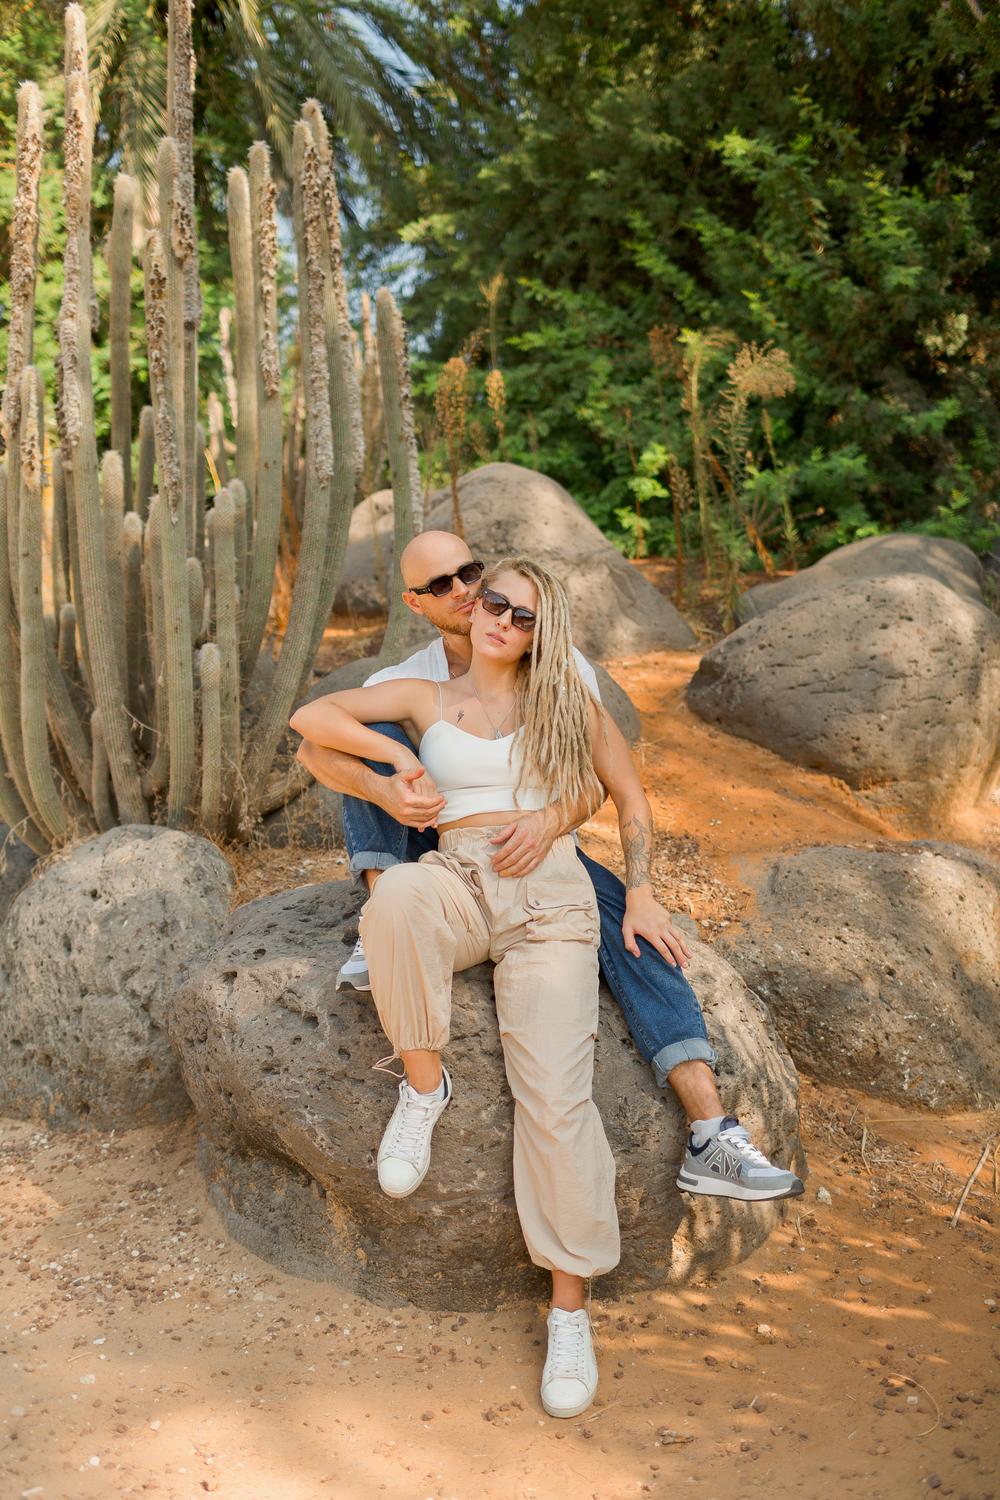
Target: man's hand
x,y
524,844
410,796
645,917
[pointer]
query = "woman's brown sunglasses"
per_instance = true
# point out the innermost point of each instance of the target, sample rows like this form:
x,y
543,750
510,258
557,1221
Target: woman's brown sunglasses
x,y
499,604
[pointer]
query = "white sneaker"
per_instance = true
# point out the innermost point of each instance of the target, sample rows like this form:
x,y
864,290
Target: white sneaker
x,y
569,1379
405,1152
355,970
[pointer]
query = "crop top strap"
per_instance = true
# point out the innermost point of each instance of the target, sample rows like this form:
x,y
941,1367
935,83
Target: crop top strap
x,y
440,703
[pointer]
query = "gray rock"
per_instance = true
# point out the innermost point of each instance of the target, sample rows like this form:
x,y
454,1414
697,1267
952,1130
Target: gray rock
x,y
369,556
950,563
16,864
89,954
892,684
881,968
279,1065
509,509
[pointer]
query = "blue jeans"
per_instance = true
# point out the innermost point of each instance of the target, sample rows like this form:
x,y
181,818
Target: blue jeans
x,y
659,1006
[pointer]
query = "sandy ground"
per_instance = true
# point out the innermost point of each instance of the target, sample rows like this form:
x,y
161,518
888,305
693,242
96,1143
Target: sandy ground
x,y
855,1354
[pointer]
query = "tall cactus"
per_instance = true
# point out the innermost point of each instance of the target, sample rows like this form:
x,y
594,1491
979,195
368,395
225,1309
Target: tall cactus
x,y
267,507
119,318
79,447
103,715
308,600
48,804
241,257
397,403
177,619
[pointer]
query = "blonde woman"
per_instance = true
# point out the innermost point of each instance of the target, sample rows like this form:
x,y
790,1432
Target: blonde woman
x,y
517,732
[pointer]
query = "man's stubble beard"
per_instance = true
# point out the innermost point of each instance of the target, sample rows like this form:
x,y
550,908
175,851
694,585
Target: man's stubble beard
x,y
461,627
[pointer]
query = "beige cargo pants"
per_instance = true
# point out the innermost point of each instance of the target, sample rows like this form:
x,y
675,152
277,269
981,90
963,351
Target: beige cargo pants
x,y
450,910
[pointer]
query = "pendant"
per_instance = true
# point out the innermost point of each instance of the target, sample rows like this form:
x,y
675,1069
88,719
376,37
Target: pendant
x,y
497,735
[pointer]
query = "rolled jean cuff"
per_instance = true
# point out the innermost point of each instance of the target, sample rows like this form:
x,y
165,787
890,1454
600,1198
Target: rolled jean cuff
x,y
371,859
695,1049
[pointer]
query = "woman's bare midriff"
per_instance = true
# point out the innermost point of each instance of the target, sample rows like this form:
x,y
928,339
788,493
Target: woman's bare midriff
x,y
487,820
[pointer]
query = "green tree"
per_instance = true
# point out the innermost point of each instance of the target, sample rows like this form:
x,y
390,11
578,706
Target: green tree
x,y
811,173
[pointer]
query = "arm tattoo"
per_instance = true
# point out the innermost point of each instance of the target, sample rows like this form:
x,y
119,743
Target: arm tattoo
x,y
637,842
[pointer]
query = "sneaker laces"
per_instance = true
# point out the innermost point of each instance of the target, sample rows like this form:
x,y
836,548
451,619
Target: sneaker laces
x,y
359,952
409,1129
737,1137
567,1356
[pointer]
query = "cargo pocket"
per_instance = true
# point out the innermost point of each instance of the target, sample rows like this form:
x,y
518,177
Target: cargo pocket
x,y
562,911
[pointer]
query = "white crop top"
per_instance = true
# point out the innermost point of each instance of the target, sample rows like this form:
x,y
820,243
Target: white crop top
x,y
476,775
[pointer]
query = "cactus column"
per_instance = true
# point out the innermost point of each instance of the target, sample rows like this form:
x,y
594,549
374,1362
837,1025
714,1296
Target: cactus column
x,y
401,442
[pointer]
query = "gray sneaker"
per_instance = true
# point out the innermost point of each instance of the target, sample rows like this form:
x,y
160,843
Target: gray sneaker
x,y
355,971
729,1165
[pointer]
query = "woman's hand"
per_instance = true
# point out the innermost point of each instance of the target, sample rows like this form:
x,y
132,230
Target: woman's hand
x,y
410,795
524,844
645,917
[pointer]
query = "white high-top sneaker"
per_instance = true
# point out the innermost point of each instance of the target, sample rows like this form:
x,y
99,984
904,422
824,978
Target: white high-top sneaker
x,y
405,1152
569,1379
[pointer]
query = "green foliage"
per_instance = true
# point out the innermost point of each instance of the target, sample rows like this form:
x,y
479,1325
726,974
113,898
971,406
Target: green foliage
x,y
811,174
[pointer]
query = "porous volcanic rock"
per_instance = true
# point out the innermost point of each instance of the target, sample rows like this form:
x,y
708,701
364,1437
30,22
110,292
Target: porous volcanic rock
x,y
16,864
509,509
881,968
948,562
892,684
279,1065
90,952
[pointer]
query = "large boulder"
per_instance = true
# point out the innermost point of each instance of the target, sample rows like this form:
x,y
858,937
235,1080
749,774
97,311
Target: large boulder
x,y
17,862
279,1065
892,684
90,953
881,968
509,509
950,563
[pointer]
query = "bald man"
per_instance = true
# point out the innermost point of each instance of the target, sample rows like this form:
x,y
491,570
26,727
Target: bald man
x,y
389,818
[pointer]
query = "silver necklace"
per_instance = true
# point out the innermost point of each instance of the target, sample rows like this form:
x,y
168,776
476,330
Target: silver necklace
x,y
496,732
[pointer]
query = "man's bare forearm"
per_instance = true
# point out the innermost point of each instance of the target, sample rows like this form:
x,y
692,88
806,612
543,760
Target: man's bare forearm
x,y
342,772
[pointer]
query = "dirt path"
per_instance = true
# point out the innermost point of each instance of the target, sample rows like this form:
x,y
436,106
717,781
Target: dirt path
x,y
145,1353
855,1354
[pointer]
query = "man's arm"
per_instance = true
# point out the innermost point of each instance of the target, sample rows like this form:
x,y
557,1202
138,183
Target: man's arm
x,y
336,737
404,795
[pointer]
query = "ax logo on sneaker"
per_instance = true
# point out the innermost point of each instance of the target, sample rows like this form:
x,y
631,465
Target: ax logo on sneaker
x,y
721,1162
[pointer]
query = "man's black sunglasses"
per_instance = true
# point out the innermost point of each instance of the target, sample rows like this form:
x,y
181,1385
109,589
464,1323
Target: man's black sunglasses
x,y
499,604
469,572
